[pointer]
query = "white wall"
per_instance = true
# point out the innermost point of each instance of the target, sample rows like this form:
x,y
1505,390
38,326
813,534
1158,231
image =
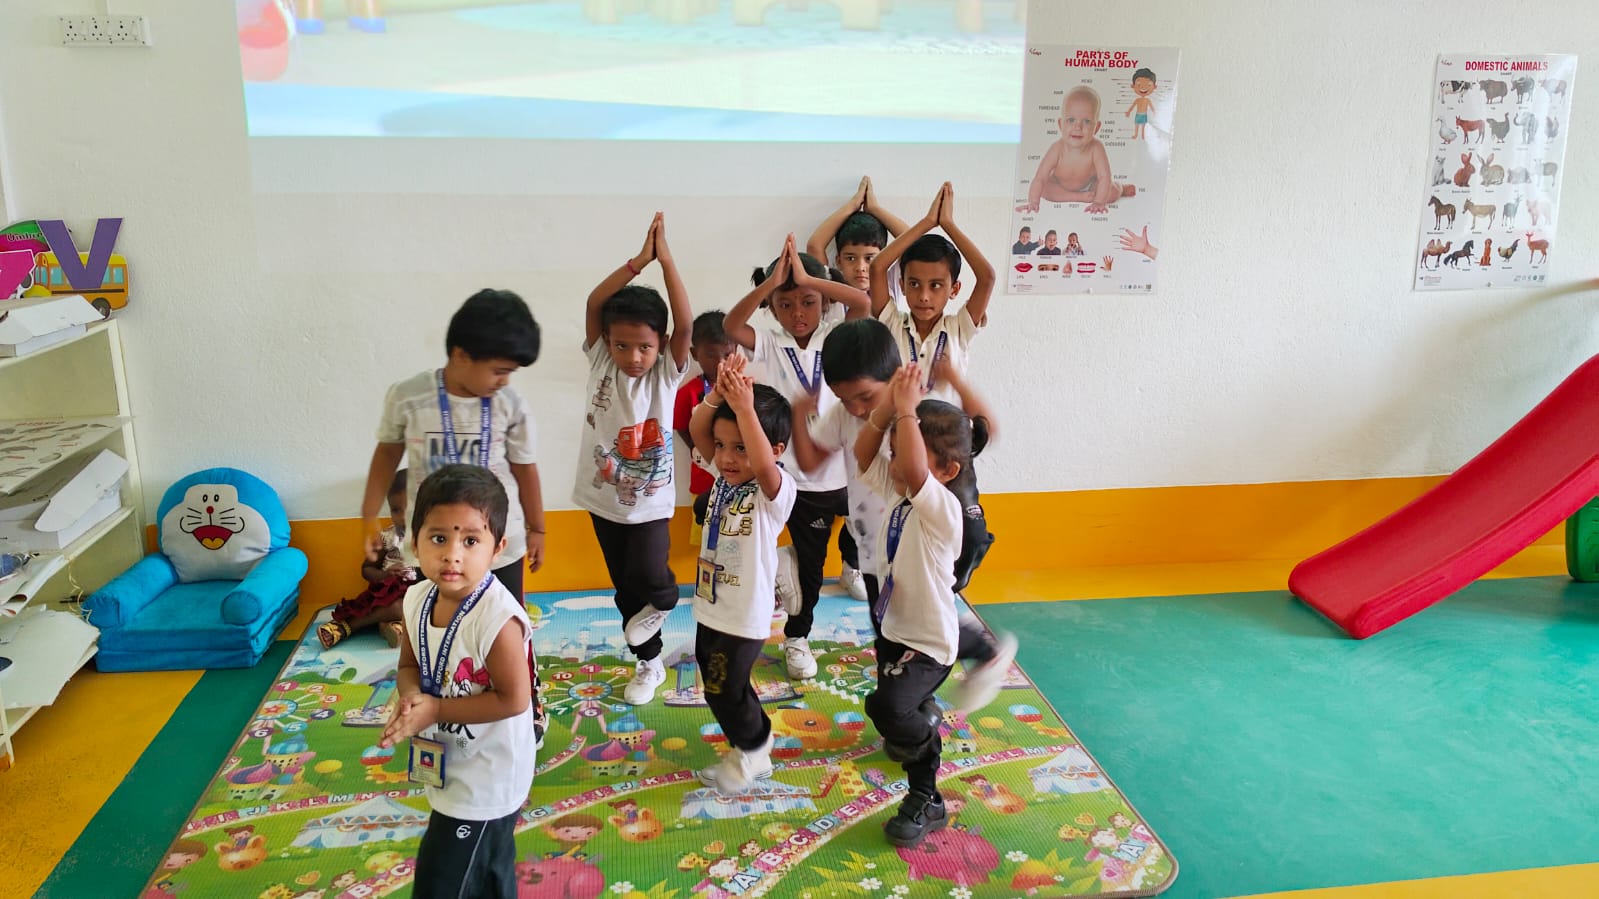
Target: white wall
x,y
1284,343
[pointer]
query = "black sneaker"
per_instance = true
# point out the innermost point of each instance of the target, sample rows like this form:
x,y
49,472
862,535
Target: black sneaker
x,y
918,816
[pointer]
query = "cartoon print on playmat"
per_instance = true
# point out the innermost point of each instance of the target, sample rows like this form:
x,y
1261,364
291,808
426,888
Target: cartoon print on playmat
x,y
634,823
244,848
559,877
957,854
640,459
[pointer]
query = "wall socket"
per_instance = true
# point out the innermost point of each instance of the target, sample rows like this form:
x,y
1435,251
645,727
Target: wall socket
x,y
105,31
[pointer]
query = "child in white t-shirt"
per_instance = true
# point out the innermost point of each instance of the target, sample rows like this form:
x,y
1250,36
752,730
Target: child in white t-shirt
x,y
624,469
930,270
931,446
467,412
790,360
465,686
742,428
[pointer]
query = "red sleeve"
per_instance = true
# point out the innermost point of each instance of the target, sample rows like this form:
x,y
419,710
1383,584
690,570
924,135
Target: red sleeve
x,y
683,407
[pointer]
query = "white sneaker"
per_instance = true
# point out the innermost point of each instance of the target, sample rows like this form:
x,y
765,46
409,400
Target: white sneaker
x,y
644,624
797,653
647,675
789,598
854,583
738,769
982,682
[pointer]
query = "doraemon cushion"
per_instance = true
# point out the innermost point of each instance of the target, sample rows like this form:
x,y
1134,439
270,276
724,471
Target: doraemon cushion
x,y
216,524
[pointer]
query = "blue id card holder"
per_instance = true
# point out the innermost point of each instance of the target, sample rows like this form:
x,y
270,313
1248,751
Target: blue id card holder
x,y
427,762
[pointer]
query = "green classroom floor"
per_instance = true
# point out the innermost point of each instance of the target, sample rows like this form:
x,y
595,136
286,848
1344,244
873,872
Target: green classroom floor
x,y
1269,751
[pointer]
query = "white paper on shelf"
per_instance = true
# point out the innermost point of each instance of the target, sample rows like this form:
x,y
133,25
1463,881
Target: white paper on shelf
x,y
28,448
41,570
47,649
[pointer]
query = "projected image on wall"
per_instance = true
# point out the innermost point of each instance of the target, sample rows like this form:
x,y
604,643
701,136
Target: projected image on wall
x,y
904,71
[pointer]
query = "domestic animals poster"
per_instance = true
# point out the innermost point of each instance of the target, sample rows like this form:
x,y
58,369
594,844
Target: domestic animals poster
x,y
1497,157
1091,169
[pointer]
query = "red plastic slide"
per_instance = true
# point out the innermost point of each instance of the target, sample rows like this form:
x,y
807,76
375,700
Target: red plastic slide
x,y
1540,472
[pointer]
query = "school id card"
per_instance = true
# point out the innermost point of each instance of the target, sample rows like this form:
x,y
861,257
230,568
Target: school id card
x,y
427,762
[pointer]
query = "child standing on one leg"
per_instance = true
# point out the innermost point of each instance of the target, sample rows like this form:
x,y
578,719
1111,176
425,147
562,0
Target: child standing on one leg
x,y
790,360
624,473
708,345
743,428
387,576
930,271
467,412
464,684
931,445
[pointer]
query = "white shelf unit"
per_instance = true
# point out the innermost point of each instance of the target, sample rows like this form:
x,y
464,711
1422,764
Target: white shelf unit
x,y
78,378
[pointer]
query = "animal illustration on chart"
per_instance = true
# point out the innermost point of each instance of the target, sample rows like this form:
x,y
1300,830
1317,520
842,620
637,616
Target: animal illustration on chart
x,y
1522,86
1446,133
1451,88
1434,250
1440,174
1554,87
1469,127
1534,247
1491,174
1506,252
1518,175
1528,123
1549,170
1487,252
1493,91
1466,170
1507,215
1551,126
1442,213
1465,252
1500,129
1537,209
1479,211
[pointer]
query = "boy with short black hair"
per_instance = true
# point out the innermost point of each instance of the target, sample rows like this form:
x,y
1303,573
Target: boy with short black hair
x,y
466,412
708,346
858,230
930,270
624,472
743,427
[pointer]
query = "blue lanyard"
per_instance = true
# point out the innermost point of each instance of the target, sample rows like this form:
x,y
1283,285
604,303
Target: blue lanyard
x,y
723,497
938,351
814,385
433,676
452,451
896,530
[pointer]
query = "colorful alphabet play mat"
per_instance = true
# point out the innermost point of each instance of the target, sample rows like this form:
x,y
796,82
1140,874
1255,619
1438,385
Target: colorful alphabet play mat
x,y
308,807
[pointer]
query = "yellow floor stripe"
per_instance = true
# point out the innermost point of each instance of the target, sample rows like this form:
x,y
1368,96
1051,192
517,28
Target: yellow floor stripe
x,y
69,759
1531,883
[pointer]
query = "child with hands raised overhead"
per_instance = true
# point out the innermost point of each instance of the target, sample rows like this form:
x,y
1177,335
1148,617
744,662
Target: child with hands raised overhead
x,y
790,360
931,444
742,428
624,471
465,685
930,269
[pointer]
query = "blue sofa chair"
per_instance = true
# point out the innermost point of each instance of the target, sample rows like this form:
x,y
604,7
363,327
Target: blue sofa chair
x,y
224,582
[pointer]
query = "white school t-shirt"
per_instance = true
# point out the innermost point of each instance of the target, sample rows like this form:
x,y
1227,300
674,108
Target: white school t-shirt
x,y
488,768
745,559
921,610
411,416
770,365
624,466
960,328
836,433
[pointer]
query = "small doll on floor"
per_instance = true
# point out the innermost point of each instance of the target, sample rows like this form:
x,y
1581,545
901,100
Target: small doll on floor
x,y
388,578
